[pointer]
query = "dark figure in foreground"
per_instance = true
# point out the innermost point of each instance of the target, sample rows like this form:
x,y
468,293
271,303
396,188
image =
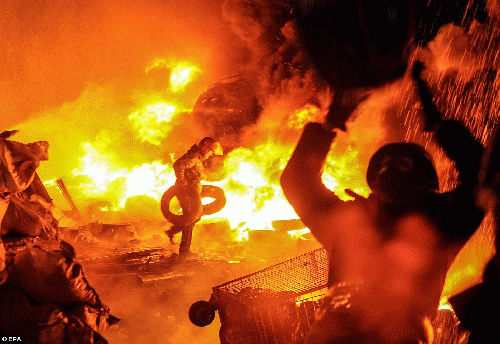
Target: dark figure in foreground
x,y
478,307
188,172
397,244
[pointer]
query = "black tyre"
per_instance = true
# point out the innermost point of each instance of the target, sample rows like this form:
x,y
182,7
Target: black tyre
x,y
202,313
219,197
190,202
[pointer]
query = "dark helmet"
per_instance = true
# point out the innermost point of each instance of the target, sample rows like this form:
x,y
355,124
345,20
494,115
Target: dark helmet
x,y
402,168
210,144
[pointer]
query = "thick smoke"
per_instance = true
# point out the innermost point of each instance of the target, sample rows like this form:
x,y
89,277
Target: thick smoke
x,y
53,50
72,70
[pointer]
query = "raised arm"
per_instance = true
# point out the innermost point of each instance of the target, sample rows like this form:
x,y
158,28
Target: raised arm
x,y
301,179
455,139
460,216
432,116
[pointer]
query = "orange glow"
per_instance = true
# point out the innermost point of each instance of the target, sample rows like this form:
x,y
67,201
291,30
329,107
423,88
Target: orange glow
x,y
343,173
158,63
298,233
254,196
110,180
251,175
153,123
300,117
466,270
182,74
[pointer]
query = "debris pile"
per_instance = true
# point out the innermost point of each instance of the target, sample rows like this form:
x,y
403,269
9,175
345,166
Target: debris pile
x,y
44,295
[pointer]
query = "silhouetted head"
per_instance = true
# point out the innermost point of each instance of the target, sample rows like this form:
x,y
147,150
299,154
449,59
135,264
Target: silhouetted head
x,y
398,172
209,146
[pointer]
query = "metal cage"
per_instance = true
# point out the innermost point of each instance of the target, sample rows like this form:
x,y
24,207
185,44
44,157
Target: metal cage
x,y
277,305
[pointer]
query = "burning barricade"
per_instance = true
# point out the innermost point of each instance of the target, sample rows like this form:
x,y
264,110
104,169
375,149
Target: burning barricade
x,y
44,297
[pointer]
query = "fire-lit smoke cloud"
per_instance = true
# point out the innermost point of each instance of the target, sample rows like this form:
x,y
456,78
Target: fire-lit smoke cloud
x,y
52,50
259,24
72,70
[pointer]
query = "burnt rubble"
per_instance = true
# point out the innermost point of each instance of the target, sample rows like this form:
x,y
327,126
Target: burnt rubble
x,y
44,295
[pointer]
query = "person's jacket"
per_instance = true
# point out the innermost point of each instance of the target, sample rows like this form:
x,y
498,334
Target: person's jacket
x,y
188,168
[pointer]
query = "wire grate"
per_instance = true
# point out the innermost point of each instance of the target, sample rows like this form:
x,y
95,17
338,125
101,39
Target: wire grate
x,y
298,275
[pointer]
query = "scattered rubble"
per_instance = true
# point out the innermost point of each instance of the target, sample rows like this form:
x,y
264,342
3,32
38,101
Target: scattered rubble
x,y
44,295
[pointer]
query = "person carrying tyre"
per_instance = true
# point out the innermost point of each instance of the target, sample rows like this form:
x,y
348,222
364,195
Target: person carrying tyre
x,y
188,172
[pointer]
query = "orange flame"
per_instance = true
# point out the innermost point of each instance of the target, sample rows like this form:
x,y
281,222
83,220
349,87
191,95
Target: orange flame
x,y
154,122
251,183
182,74
254,196
300,117
106,175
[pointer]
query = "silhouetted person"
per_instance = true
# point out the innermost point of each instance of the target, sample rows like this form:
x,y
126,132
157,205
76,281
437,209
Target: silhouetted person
x,y
478,307
397,244
188,172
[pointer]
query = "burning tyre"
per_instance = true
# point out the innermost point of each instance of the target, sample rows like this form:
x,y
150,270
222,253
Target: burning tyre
x,y
190,201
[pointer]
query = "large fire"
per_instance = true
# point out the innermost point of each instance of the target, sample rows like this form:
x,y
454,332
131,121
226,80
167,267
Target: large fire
x,y
251,174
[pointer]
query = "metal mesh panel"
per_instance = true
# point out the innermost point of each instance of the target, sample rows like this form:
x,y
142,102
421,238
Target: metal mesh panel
x,y
275,305
299,275
287,323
